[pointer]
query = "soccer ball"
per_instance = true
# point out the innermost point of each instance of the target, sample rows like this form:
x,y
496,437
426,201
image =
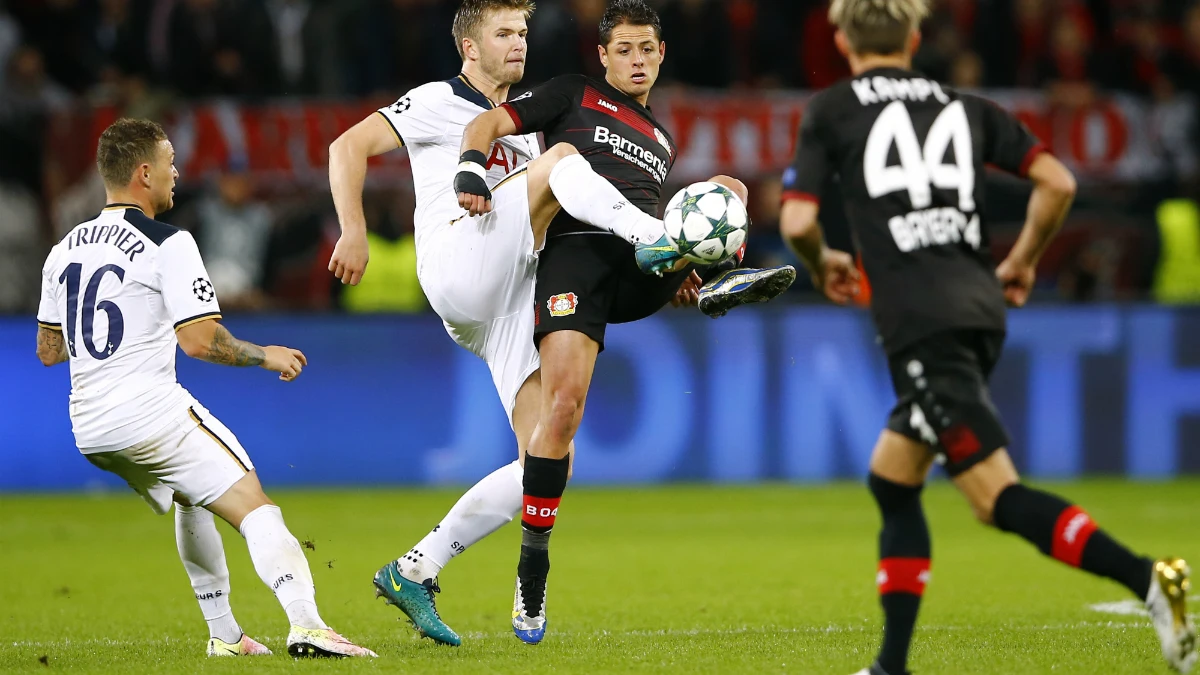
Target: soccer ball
x,y
706,223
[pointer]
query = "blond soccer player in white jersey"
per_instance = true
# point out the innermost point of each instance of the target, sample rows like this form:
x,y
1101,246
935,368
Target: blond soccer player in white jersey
x,y
119,292
477,271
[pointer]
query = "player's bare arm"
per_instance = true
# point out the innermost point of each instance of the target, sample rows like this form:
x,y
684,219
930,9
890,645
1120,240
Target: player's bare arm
x,y
688,294
833,272
470,183
348,156
212,342
1053,193
51,347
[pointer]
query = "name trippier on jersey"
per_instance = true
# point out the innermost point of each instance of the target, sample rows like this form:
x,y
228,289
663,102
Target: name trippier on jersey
x,y
125,239
870,90
632,152
934,227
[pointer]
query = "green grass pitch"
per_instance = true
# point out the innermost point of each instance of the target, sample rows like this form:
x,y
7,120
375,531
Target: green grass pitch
x,y
688,579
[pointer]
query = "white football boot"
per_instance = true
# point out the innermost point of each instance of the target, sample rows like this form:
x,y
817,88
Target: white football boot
x,y
1167,604
246,646
315,642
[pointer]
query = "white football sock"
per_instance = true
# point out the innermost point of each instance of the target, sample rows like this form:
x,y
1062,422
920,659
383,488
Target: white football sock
x,y
486,507
203,557
281,564
588,197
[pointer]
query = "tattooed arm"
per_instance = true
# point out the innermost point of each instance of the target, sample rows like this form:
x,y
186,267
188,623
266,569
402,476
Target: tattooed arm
x,y
212,342
51,347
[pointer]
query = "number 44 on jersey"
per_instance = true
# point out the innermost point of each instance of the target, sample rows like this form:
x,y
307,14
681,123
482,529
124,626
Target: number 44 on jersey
x,y
921,169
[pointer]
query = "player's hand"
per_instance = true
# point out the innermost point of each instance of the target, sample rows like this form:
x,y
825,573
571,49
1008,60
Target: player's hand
x,y
1017,279
471,185
286,361
688,294
836,276
350,256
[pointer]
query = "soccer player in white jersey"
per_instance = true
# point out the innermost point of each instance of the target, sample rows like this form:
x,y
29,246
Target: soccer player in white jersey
x,y
119,292
477,271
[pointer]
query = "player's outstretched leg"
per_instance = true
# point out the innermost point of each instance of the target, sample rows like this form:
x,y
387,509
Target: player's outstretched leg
x,y
728,285
562,176
410,581
743,286
203,557
281,564
1068,534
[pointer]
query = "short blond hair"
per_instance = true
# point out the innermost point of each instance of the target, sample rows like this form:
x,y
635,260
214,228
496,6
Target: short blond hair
x,y
878,26
468,20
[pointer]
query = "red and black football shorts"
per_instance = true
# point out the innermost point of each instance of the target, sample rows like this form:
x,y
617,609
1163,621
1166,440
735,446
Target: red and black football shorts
x,y
587,281
942,396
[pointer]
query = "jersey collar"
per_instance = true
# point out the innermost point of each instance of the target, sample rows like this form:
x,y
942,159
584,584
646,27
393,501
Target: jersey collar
x,y
116,206
462,87
888,70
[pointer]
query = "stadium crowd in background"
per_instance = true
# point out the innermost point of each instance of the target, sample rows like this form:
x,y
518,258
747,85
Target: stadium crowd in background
x,y
267,243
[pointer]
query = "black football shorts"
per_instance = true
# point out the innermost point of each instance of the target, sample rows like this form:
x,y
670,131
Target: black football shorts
x,y
587,281
942,396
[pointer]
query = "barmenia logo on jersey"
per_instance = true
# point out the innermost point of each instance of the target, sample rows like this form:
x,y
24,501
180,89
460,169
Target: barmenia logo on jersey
x,y
563,304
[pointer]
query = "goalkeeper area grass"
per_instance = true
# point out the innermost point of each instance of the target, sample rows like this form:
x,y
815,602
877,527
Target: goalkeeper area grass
x,y
679,579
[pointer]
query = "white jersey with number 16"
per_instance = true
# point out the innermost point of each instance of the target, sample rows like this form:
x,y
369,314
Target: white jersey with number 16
x,y
118,287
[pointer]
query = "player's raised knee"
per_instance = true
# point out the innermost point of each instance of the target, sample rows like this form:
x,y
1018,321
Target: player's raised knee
x,y
560,150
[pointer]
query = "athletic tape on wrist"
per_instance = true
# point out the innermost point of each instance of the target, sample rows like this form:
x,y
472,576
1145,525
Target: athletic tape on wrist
x,y
472,167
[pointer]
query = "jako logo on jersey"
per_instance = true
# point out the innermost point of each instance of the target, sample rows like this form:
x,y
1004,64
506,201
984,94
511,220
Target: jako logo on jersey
x,y
632,152
563,304
544,512
608,105
502,157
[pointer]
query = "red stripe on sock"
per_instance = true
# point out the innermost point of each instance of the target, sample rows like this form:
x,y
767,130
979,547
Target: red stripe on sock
x,y
539,511
902,575
1071,534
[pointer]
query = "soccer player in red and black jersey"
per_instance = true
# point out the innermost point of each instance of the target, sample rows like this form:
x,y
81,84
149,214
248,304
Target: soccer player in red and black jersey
x,y
911,158
588,278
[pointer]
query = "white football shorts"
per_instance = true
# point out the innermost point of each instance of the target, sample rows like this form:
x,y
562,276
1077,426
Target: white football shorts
x,y
194,455
479,274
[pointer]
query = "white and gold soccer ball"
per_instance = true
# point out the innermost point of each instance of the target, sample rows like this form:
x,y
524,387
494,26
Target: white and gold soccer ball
x,y
706,223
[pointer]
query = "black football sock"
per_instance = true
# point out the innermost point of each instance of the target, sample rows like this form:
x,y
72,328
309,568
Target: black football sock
x,y
1067,533
544,481
904,553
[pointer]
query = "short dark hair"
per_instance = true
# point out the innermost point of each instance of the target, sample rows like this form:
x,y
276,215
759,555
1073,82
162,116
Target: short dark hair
x,y
630,12
125,145
469,17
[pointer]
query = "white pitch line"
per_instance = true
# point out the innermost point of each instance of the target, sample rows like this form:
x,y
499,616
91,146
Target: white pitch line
x,y
1128,607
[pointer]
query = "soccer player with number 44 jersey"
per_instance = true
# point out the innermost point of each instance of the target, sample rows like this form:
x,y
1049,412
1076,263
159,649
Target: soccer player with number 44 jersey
x,y
910,155
119,293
